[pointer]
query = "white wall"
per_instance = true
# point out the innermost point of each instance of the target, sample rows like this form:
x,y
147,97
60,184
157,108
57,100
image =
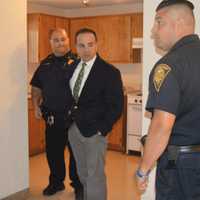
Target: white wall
x,y
150,57
13,106
93,11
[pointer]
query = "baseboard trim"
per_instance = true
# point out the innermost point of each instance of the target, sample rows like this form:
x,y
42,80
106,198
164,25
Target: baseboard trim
x,y
21,195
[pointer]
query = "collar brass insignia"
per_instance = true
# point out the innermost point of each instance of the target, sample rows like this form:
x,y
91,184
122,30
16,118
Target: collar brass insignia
x,y
70,61
160,73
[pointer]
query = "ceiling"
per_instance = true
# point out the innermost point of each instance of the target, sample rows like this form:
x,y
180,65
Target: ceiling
x,y
67,4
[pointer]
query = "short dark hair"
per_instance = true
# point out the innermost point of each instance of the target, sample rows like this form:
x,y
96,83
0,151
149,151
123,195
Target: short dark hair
x,y
166,3
85,30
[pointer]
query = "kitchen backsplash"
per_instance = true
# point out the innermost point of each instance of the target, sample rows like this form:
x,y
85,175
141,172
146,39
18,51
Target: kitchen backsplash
x,y
131,76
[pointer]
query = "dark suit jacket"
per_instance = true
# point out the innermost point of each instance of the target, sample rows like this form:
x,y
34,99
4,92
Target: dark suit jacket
x,y
101,101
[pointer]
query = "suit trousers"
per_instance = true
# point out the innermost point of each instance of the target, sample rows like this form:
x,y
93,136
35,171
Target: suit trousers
x,y
56,141
178,181
89,153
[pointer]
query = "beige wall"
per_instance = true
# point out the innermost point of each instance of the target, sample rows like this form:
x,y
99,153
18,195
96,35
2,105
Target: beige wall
x,y
13,106
150,57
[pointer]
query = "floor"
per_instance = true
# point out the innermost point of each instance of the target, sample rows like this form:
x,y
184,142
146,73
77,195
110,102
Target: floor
x,y
119,169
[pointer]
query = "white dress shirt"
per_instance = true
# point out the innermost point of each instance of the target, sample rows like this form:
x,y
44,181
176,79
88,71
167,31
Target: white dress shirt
x,y
87,70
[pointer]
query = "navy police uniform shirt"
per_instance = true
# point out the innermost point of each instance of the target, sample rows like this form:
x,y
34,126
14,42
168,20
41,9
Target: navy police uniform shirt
x,y
52,78
174,87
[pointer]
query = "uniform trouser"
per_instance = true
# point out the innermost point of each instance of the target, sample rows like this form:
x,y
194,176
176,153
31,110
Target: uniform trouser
x,y
56,141
89,153
180,181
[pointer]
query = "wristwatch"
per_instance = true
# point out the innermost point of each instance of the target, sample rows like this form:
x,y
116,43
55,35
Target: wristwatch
x,y
99,133
142,175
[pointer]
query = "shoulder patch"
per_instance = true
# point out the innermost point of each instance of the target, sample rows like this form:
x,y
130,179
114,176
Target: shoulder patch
x,y
160,73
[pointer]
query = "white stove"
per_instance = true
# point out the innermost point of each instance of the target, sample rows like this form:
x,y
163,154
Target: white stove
x,y
134,122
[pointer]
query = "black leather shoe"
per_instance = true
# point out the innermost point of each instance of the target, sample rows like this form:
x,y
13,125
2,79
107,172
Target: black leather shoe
x,y
52,189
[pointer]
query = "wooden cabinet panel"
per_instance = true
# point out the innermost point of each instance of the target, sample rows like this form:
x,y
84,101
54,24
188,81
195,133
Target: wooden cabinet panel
x,y
36,132
47,23
113,32
33,37
117,137
137,24
115,38
137,31
62,22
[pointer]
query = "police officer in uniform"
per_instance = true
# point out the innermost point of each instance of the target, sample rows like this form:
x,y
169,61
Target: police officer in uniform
x,y
174,100
50,100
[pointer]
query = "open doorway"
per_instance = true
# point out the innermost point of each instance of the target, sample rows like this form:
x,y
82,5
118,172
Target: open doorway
x,y
39,25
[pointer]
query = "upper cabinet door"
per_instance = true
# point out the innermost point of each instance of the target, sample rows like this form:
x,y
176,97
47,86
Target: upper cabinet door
x,y
137,31
62,22
137,24
32,37
47,23
113,32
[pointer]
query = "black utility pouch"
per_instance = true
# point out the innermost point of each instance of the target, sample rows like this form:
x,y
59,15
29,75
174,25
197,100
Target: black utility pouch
x,y
172,156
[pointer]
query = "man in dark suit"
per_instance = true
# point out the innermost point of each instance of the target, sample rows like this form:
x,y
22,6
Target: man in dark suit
x,y
97,91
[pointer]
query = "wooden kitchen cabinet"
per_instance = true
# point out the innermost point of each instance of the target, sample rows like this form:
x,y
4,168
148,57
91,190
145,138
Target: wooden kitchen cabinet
x,y
137,31
113,32
47,23
39,26
36,132
137,24
117,137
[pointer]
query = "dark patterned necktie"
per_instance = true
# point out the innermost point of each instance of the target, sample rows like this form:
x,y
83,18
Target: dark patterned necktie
x,y
78,82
